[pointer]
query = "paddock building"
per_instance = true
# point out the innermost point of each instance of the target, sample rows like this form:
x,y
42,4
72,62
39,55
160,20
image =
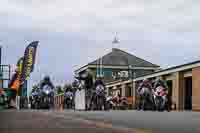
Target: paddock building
x,y
183,82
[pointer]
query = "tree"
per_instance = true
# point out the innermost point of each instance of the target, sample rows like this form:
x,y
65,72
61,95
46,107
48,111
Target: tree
x,y
59,89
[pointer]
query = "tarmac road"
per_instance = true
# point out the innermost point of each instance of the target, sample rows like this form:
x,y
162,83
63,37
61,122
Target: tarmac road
x,y
158,122
29,121
96,122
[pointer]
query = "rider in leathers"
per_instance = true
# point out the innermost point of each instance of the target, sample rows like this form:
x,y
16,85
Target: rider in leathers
x,y
47,81
161,82
75,84
69,93
99,82
147,84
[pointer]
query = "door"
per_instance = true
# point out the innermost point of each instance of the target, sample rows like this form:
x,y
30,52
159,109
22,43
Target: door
x,y
188,93
169,84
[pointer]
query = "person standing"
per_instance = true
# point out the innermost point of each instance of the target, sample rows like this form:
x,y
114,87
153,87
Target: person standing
x,y
89,87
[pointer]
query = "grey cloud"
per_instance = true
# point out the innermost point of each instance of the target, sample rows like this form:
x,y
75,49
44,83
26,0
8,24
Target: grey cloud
x,y
165,32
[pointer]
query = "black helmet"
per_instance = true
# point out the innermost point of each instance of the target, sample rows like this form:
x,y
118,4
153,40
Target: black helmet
x,y
98,82
75,83
46,78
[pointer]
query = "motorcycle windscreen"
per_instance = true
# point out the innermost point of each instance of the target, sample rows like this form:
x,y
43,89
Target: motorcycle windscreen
x,y
99,89
47,89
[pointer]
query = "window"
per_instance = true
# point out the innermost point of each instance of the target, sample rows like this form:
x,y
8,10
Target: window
x,y
129,91
108,73
124,74
114,75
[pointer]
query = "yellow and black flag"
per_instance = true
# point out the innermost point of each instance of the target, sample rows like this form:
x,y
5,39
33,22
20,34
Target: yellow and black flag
x,y
29,60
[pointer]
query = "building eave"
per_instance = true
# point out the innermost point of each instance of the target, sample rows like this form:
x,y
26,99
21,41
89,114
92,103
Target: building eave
x,y
115,67
171,70
124,67
167,71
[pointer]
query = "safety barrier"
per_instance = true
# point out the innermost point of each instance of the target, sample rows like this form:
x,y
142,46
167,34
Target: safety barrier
x,y
59,102
130,100
22,102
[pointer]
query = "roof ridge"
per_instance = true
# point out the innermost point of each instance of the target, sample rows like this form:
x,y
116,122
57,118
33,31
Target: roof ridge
x,y
100,57
135,56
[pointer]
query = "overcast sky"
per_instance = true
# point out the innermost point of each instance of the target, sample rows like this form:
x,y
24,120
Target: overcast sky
x,y
75,32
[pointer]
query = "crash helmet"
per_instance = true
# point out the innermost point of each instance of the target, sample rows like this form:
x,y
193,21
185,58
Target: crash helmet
x,y
75,82
47,78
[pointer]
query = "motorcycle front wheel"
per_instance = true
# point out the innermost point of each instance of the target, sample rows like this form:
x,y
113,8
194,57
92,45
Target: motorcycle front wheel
x,y
158,102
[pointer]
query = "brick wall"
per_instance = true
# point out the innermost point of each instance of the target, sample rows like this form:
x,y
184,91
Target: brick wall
x,y
196,89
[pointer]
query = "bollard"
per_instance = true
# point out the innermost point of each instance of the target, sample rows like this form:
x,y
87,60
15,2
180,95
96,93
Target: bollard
x,y
17,102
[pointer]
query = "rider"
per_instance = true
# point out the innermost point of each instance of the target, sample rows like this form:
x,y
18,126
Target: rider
x,y
68,91
46,81
160,82
99,93
145,83
99,82
163,83
75,83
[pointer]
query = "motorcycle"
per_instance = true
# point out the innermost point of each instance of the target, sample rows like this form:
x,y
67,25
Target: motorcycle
x,y
123,103
160,98
3,99
68,98
35,100
98,100
117,103
100,97
47,97
109,102
146,100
